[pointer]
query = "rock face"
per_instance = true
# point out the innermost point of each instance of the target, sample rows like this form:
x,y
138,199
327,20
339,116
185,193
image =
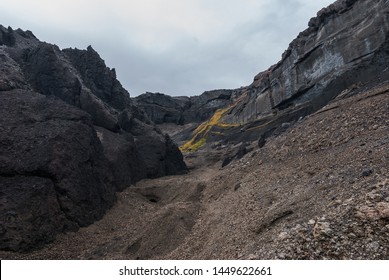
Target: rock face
x,y
53,173
161,108
343,51
70,137
346,44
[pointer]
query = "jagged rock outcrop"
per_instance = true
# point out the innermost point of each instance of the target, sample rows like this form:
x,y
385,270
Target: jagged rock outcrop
x,y
161,108
70,136
345,45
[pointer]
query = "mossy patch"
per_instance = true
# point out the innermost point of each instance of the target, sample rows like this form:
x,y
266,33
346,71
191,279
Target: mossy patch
x,y
201,132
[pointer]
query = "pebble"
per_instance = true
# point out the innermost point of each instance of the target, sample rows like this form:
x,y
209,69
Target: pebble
x,y
237,187
281,256
373,247
383,210
252,257
321,229
367,172
283,235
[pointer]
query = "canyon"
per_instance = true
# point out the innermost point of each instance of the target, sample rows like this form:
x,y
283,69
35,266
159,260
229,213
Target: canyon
x,y
292,166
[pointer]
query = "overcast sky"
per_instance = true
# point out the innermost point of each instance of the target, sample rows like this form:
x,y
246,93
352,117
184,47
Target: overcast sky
x,y
178,47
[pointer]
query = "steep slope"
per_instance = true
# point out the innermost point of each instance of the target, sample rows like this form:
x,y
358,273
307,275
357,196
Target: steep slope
x,y
103,142
346,45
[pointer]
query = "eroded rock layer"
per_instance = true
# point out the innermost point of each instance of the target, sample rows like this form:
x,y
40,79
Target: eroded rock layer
x,y
345,45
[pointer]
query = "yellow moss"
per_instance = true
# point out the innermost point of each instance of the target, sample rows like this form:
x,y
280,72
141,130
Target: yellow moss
x,y
199,135
191,146
217,133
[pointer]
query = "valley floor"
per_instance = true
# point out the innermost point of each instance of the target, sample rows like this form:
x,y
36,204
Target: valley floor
x,y
318,191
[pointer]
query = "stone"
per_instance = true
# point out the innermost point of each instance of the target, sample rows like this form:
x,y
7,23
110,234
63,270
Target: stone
x,y
237,186
367,172
383,210
252,257
367,213
261,141
285,125
373,246
283,235
321,229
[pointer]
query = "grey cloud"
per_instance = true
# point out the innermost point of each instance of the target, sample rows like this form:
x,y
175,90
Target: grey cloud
x,y
186,64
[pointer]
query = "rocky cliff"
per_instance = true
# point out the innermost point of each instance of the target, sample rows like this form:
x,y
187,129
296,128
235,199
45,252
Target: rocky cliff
x,y
70,136
345,45
161,108
344,48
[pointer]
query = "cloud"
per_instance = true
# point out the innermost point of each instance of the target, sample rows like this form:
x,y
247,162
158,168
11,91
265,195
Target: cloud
x,y
171,46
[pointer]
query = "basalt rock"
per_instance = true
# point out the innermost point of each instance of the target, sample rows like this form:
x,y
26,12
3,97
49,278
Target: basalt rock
x,y
81,78
161,108
68,126
53,173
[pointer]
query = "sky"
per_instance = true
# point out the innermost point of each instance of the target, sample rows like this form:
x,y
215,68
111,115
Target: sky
x,y
176,47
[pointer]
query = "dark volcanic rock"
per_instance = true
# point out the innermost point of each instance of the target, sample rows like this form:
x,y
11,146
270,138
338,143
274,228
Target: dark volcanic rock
x,y
161,108
50,139
204,106
98,77
123,156
53,174
81,78
30,212
158,152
